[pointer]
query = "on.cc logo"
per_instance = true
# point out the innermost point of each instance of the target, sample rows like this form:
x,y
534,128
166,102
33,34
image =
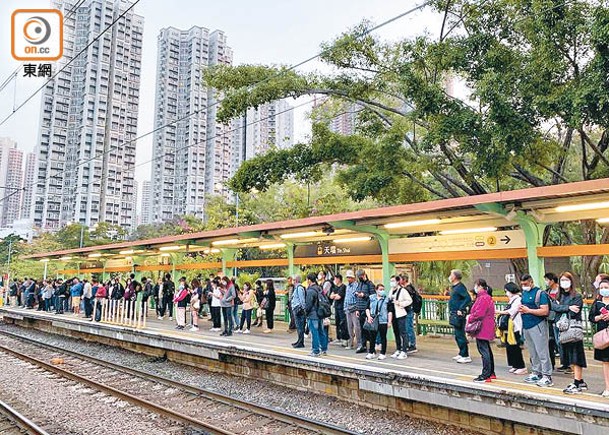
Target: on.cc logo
x,y
37,30
37,34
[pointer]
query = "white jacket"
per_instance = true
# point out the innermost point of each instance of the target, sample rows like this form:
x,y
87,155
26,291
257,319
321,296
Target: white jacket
x,y
401,300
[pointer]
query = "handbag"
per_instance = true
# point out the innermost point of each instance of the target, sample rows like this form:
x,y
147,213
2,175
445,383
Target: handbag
x,y
265,303
374,326
473,328
574,333
563,323
600,340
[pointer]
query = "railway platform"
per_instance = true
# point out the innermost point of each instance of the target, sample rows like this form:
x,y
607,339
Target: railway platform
x,y
428,384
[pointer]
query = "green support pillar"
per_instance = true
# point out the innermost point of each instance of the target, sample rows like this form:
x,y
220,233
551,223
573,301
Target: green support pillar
x,y
228,254
533,232
290,250
388,268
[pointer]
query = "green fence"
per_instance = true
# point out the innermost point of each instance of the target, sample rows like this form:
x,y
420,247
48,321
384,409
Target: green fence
x,y
434,317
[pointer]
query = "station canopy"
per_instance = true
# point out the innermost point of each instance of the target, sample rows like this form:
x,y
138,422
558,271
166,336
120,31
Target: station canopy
x,y
471,214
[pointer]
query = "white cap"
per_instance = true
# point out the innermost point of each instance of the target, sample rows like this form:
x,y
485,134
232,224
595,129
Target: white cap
x,y
349,274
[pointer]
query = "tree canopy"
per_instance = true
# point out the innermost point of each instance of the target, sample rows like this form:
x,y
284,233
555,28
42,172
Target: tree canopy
x,y
534,110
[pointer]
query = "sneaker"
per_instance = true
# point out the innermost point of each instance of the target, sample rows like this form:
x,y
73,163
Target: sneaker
x,y
545,381
493,376
336,342
568,371
267,331
193,329
464,360
247,331
316,355
361,350
345,343
512,370
324,352
456,357
605,394
382,356
395,354
532,379
481,379
520,371
238,331
402,355
583,386
348,348
298,346
160,318
572,389
411,350
370,356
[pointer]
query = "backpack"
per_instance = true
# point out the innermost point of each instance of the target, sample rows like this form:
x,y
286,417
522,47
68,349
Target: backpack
x,y
324,309
417,300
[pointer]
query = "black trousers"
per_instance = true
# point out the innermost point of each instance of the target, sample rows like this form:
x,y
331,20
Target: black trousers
x,y
371,340
292,324
215,317
488,361
270,322
342,333
88,307
365,335
166,306
514,353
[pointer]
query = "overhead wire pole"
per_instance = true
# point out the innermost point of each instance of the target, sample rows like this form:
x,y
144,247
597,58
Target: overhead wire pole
x,y
278,74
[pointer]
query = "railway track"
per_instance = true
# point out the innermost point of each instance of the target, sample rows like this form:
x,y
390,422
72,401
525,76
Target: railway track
x,y
13,423
194,407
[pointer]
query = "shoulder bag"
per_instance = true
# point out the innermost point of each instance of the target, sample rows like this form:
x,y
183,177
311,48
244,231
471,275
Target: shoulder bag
x,y
574,332
374,326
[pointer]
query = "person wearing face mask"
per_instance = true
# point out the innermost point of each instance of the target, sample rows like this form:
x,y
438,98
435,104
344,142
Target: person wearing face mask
x,y
597,281
599,315
553,290
378,308
337,295
457,306
364,290
399,301
534,310
512,336
570,304
483,310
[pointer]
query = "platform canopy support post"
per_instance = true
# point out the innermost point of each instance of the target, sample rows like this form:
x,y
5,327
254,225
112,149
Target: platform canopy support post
x,y
533,232
290,250
228,254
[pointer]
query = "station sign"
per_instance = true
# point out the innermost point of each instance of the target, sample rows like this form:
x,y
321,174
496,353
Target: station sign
x,y
459,242
333,249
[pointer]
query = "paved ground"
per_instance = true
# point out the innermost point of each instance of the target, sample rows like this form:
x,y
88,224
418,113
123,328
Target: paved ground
x,y
433,359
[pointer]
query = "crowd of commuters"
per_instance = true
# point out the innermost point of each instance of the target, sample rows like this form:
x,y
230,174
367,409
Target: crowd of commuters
x,y
547,322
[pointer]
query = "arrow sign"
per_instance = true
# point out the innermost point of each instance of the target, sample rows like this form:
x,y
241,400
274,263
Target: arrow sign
x,y
506,239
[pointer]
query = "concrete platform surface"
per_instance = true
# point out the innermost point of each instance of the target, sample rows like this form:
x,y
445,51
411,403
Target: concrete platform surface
x,y
433,360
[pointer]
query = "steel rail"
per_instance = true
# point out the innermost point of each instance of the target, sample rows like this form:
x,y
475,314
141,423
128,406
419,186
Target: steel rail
x,y
268,412
20,420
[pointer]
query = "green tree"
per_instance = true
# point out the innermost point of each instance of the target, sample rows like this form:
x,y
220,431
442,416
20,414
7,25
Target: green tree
x,y
537,113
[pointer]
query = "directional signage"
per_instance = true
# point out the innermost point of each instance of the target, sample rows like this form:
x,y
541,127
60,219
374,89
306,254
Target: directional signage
x,y
459,242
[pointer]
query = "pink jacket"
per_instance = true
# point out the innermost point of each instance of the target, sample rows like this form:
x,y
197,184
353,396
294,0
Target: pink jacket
x,y
484,309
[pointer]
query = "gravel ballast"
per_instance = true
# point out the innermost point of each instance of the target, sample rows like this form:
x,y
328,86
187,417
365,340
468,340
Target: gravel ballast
x,y
312,405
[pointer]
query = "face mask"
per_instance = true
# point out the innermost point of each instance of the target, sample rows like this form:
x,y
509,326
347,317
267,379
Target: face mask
x,y
526,288
604,292
476,289
392,283
381,293
565,284
450,280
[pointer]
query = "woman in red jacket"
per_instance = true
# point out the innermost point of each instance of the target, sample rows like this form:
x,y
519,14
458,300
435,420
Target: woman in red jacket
x,y
481,325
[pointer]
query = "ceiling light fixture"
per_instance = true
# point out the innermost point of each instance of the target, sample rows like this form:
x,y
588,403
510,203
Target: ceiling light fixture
x,y
582,207
412,223
468,231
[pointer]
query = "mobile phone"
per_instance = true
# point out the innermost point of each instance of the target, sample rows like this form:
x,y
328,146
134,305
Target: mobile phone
x,y
604,311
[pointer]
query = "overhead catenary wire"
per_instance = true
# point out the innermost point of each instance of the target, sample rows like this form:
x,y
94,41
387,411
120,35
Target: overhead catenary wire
x,y
277,74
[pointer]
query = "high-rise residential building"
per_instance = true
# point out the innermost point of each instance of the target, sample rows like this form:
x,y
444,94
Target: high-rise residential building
x,y
29,179
134,218
192,156
271,125
340,116
11,181
145,213
86,147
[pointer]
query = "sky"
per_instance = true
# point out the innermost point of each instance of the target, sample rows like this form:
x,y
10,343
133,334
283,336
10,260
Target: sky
x,y
282,32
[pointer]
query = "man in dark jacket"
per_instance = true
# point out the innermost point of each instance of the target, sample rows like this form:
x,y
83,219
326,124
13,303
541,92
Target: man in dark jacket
x,y
457,306
169,289
365,288
319,339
